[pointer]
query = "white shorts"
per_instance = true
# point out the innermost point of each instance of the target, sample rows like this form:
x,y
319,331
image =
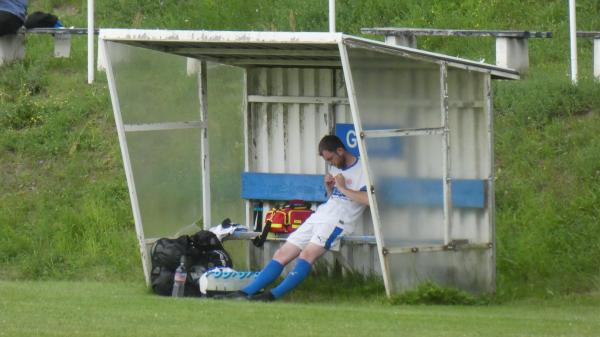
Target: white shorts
x,y
324,234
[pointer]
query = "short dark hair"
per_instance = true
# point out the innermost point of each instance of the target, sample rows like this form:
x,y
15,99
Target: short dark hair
x,y
330,143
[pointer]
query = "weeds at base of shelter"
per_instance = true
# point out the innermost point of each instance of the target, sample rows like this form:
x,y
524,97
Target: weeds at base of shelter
x,y
431,293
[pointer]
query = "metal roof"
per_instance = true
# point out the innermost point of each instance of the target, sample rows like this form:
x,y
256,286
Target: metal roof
x,y
281,49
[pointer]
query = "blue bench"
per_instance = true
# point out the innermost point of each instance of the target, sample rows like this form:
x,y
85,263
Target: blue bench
x,y
283,187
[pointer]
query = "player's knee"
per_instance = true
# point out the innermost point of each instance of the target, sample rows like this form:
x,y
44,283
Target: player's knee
x,y
309,256
279,257
284,255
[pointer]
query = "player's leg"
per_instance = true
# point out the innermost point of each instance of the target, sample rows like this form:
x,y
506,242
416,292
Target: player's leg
x,y
286,253
273,269
307,257
326,236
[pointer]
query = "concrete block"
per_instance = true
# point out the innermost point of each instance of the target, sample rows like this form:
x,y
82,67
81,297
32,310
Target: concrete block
x,y
12,47
402,40
512,53
62,45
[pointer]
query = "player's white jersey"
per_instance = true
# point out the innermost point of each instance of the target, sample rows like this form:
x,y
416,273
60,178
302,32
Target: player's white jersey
x,y
339,208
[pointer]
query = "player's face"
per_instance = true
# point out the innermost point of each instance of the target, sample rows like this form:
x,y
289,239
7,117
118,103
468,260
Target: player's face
x,y
334,158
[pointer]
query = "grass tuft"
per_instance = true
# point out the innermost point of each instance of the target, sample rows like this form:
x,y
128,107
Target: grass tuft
x,y
431,293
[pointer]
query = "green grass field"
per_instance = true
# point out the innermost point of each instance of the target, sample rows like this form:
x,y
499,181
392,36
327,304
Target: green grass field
x,y
128,309
65,212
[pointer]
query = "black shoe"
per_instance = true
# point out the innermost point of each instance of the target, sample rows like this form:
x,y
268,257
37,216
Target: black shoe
x,y
267,296
236,295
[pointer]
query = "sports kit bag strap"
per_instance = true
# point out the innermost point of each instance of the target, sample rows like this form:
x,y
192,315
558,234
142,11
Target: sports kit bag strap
x,y
260,239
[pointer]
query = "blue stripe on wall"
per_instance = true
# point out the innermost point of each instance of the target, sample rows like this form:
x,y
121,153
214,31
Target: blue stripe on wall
x,y
466,193
430,193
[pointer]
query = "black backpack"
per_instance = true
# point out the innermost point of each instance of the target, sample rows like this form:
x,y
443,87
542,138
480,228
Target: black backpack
x,y
202,251
40,20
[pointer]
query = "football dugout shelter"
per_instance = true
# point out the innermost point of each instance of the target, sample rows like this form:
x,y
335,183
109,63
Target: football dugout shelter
x,y
422,123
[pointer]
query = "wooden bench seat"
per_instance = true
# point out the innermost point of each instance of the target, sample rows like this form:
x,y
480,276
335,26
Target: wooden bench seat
x,y
511,46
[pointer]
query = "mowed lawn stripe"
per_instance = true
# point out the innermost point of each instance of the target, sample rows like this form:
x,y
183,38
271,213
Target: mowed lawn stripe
x,y
125,309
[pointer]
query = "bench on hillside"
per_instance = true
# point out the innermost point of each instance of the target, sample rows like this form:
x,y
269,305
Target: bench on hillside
x,y
12,47
511,46
596,37
466,193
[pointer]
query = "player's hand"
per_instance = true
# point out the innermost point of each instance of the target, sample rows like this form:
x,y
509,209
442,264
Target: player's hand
x,y
340,181
329,181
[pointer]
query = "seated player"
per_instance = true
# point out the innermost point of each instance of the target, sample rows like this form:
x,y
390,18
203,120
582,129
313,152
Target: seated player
x,y
346,188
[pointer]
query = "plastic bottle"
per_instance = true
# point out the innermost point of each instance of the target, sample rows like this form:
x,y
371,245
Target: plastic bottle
x,y
179,279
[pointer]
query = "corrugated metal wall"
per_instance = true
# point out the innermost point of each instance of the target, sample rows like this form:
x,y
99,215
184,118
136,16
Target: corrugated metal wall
x,y
474,269
469,148
283,138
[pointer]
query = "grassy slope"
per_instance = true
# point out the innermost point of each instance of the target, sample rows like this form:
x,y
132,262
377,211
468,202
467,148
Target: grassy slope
x,y
99,309
64,209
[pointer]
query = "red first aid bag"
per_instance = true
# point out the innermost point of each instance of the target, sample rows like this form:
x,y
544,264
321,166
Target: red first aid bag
x,y
289,217
277,217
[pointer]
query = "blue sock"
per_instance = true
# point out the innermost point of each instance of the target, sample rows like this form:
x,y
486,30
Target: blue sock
x,y
269,274
293,279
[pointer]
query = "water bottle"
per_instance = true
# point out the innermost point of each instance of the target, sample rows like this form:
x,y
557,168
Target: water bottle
x,y
179,279
224,280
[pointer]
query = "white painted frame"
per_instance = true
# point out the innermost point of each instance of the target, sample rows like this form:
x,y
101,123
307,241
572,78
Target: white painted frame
x,y
90,41
381,251
204,146
163,126
446,163
573,40
444,130
137,217
122,128
491,194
